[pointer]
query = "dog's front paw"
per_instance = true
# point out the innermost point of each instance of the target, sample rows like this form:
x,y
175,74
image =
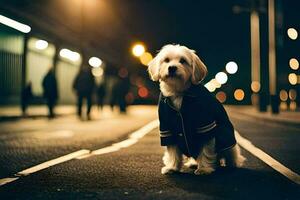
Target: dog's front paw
x,y
204,171
168,170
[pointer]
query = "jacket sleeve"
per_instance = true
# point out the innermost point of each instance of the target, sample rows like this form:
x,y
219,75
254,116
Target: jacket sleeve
x,y
225,135
166,136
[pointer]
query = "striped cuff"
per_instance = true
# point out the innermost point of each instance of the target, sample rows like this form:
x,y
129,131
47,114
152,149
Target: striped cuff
x,y
164,134
206,128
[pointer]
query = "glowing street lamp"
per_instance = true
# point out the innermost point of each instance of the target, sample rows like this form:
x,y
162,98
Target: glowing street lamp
x,y
138,50
14,24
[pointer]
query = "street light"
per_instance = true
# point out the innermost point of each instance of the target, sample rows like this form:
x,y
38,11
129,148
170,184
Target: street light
x,y
14,24
138,50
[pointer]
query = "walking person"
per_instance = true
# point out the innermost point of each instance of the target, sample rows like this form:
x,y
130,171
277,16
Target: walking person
x,y
101,91
26,95
50,91
83,85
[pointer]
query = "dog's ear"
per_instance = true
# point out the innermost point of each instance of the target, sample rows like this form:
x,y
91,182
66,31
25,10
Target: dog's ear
x,y
153,69
199,69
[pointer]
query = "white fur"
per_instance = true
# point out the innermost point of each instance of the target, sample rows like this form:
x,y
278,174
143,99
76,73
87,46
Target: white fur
x,y
191,71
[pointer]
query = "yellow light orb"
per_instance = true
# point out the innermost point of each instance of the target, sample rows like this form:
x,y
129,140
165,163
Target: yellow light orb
x,y
231,67
294,64
283,95
292,33
210,86
221,77
283,106
215,83
146,58
97,72
239,94
292,78
138,50
255,86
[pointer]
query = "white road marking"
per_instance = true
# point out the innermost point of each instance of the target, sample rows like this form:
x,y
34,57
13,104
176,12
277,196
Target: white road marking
x,y
246,144
50,163
84,153
132,139
4,181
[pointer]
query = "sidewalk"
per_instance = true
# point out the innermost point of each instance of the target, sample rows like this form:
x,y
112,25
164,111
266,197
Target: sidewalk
x,y
34,111
290,117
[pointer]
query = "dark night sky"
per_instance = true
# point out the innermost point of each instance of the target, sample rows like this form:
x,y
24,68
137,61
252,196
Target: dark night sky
x,y
111,27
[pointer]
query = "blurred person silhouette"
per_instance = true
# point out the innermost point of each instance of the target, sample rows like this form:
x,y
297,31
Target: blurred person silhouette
x,y
122,90
26,95
101,91
83,85
50,91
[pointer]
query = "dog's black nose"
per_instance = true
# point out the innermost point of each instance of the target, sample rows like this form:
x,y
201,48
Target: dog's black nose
x,y
172,70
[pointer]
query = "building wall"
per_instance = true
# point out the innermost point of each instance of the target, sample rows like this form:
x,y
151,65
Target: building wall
x,y
11,52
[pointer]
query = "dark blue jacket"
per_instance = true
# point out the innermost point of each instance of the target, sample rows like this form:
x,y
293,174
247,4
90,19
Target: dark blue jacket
x,y
200,118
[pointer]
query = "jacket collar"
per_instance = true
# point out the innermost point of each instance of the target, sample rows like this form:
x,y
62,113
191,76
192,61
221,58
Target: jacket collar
x,y
192,91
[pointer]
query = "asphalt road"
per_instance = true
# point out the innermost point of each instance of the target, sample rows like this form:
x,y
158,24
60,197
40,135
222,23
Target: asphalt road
x,y
134,172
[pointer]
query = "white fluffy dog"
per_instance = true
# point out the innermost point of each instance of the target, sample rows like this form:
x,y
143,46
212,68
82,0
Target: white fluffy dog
x,y
179,72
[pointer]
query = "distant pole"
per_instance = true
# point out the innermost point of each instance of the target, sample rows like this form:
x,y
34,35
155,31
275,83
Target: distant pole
x,y
272,58
255,47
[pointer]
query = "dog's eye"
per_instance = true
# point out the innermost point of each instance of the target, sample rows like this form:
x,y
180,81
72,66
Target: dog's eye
x,y
183,61
167,60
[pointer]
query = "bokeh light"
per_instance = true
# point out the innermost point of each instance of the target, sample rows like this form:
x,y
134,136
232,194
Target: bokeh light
x,y
283,95
70,55
292,94
97,72
294,64
231,67
292,78
138,50
95,62
221,77
283,106
146,58
215,83
41,44
255,86
210,86
221,96
292,33
293,105
239,94
123,72
143,92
